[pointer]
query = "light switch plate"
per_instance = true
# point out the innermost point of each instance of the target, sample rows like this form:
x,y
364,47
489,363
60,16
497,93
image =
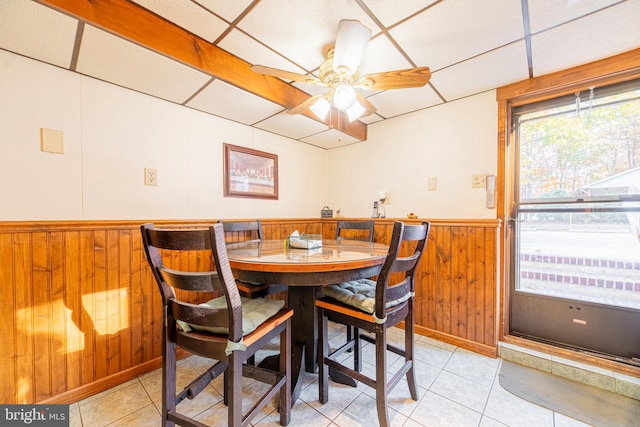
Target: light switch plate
x,y
51,141
432,184
479,180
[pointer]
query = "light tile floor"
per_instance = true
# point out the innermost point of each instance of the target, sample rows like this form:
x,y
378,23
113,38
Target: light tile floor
x,y
457,388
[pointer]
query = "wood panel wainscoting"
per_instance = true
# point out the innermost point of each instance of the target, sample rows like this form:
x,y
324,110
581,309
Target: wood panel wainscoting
x,y
85,311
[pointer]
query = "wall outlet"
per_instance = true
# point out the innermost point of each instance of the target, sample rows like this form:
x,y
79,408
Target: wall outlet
x,y
479,181
150,176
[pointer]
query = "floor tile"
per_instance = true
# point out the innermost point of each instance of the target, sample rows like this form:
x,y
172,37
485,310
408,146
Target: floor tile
x,y
508,409
436,411
456,387
461,390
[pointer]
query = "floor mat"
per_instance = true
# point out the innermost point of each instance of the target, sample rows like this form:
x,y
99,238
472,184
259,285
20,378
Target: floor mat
x,y
583,402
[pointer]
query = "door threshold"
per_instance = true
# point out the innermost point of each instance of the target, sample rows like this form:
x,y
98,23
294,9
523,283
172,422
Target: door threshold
x,y
577,366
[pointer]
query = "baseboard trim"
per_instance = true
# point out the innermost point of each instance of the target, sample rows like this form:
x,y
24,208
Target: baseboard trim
x,y
476,347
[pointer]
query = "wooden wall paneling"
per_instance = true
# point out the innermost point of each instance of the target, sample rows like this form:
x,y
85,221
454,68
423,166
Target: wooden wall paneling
x,y
41,315
8,307
112,301
73,304
85,315
137,325
100,314
459,282
477,285
444,279
123,297
424,286
58,313
25,355
490,289
474,286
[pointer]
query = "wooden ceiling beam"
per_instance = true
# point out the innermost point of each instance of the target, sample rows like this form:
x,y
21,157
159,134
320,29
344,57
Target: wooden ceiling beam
x,y
136,24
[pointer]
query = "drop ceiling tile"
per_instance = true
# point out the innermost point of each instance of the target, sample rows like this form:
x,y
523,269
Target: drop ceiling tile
x,y
227,101
371,119
395,102
189,16
248,49
614,30
298,30
483,72
544,14
294,126
331,138
390,12
115,60
229,10
36,31
454,30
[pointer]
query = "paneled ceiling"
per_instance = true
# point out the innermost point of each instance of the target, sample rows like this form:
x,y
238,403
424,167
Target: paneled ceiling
x,y
197,53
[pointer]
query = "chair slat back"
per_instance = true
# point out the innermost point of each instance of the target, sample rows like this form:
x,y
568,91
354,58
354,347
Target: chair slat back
x,y
243,230
207,281
199,315
415,235
162,243
355,230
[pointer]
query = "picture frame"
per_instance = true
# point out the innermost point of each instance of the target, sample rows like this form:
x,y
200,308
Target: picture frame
x,y
250,173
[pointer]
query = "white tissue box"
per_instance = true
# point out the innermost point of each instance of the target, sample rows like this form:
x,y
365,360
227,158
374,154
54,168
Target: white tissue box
x,y
305,241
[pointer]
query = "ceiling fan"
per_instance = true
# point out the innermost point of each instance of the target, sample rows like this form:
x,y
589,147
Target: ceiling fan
x,y
339,72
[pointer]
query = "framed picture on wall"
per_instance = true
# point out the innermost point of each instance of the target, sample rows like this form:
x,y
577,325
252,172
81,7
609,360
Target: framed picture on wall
x,y
250,173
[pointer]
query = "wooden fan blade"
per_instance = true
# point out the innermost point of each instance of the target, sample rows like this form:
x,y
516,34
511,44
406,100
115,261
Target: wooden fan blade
x,y
303,107
398,79
351,41
370,108
286,75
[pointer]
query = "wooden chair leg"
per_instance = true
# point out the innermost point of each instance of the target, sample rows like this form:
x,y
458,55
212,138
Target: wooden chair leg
x,y
285,366
323,352
409,355
235,389
225,393
168,382
350,336
357,350
381,377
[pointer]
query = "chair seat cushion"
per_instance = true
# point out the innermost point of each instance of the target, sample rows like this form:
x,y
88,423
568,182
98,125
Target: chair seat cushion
x,y
255,311
360,294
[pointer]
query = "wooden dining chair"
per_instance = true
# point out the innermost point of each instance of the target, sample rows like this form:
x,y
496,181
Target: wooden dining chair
x,y
374,307
246,231
227,329
355,230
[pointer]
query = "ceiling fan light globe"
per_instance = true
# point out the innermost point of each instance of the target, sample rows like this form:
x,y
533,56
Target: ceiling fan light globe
x,y
355,111
320,108
343,97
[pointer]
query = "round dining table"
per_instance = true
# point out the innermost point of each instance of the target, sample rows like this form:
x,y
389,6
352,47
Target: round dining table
x,y
304,272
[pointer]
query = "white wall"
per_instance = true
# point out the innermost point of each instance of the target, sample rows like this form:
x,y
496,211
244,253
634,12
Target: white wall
x,y
451,142
111,134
